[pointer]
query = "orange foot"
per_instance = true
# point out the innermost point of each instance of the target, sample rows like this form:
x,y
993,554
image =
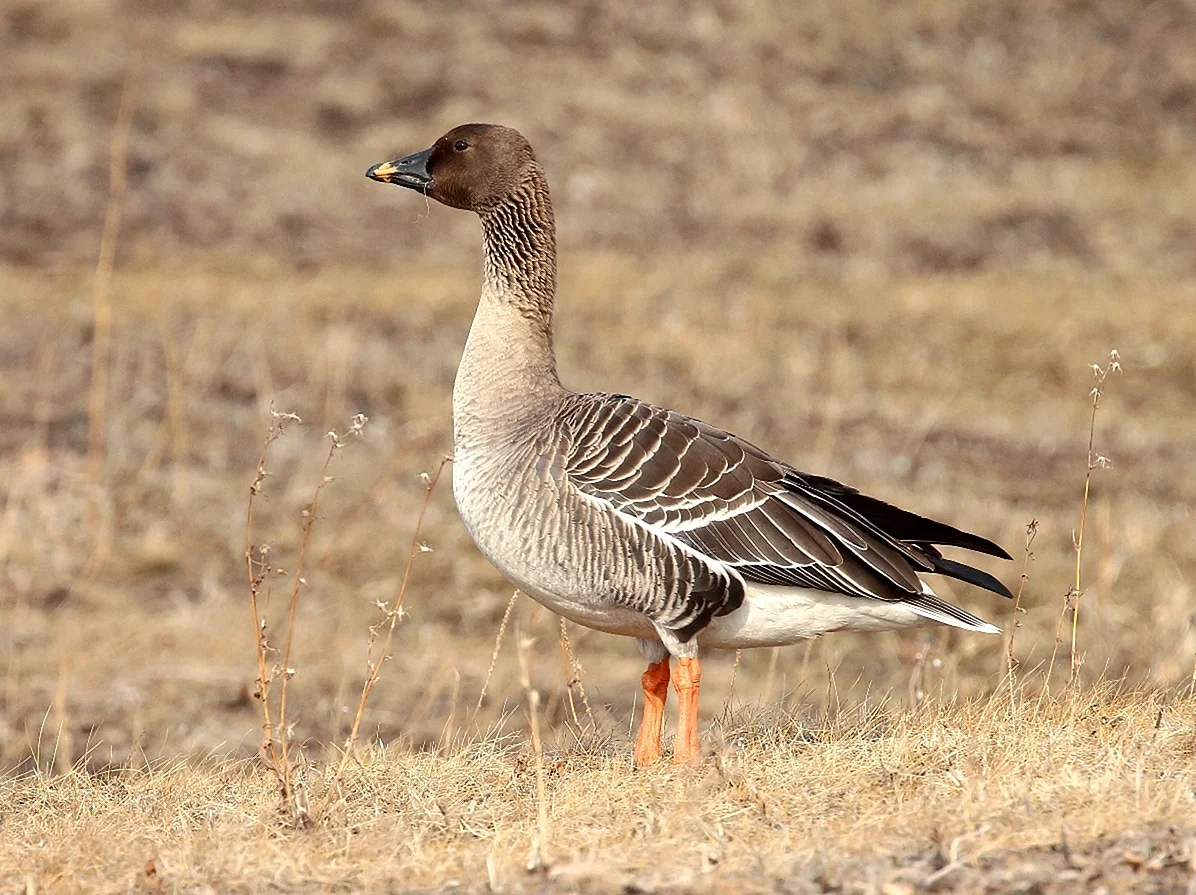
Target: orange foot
x,y
656,687
686,748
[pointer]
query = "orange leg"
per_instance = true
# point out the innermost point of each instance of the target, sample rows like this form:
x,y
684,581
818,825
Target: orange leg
x,y
656,688
686,748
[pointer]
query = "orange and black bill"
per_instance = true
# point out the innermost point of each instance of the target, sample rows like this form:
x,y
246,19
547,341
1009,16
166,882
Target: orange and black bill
x,y
410,171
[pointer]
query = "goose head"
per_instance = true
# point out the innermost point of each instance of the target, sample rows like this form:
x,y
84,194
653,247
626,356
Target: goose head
x,y
474,166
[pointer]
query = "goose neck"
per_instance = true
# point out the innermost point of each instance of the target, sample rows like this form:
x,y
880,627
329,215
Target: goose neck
x,y
507,376
519,239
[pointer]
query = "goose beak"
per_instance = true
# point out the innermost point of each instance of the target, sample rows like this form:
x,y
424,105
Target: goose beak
x,y
410,171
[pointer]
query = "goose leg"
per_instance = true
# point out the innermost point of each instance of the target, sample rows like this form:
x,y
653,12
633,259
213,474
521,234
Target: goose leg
x,y
687,681
656,688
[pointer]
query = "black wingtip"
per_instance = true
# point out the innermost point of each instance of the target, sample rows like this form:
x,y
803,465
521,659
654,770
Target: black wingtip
x,y
958,570
902,524
984,545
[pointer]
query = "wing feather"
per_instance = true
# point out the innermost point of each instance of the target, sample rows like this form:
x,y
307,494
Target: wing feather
x,y
710,492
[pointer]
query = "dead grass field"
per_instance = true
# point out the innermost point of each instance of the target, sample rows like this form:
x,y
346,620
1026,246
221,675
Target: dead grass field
x,y
886,253
1085,796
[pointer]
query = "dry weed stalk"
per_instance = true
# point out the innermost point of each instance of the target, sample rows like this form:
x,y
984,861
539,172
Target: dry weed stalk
x,y
446,732
734,675
101,306
1095,461
916,686
259,575
502,629
774,656
573,674
1046,681
392,613
298,582
1071,599
64,744
275,750
537,859
1031,534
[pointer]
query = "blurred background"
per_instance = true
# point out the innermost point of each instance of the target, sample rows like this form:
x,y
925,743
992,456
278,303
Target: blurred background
x,y
883,240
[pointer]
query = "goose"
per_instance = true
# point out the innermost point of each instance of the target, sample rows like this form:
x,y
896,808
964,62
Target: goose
x,y
636,520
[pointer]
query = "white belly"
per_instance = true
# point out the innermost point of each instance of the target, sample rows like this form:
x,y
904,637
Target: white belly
x,y
769,616
776,616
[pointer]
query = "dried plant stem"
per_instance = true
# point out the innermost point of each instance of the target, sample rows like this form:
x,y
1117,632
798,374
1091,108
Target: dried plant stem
x,y
1031,534
275,750
573,675
568,672
100,304
502,629
1094,462
805,660
1046,686
734,676
64,744
392,614
258,574
297,584
101,307
774,655
446,732
538,855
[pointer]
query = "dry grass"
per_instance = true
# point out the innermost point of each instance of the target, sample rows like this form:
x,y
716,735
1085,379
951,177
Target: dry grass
x,y
921,235
148,668
959,796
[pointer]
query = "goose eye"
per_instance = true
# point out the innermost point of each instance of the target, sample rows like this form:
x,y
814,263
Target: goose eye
x,y
460,146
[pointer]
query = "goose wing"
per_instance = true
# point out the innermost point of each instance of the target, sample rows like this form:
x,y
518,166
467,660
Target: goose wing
x,y
727,500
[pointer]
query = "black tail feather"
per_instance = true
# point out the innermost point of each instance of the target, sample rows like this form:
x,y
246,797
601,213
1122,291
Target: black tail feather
x,y
902,524
958,570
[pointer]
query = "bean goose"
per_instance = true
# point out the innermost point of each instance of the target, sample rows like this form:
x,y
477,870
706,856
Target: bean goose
x,y
636,520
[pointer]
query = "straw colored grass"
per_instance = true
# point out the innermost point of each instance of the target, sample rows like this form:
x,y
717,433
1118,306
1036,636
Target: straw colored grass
x,y
883,241
953,795
848,762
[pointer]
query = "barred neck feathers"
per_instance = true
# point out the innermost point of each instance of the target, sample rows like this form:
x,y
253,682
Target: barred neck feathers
x,y
508,374
520,250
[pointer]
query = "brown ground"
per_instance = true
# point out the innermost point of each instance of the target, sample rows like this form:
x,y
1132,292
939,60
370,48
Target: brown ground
x,y
883,241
